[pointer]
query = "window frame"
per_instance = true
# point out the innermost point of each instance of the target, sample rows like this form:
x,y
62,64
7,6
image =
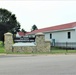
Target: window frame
x,y
50,35
69,35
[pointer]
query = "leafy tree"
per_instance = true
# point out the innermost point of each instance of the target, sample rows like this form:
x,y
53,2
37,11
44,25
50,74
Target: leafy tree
x,y
34,27
16,28
8,23
23,30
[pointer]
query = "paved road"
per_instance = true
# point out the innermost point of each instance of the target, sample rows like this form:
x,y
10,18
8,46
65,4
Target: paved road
x,y
38,65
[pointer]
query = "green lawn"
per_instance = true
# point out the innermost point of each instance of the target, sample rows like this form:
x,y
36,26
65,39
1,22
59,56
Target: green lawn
x,y
52,51
63,51
2,50
58,50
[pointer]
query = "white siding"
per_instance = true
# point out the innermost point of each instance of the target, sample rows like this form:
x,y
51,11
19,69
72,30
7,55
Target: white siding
x,y
61,36
17,35
47,36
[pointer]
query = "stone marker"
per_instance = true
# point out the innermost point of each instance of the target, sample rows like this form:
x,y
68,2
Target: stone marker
x,y
41,44
8,37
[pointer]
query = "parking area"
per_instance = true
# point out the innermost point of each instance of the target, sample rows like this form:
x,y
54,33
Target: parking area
x,y
37,64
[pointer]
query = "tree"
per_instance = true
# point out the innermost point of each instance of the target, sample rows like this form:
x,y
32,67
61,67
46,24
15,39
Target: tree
x,y
23,30
8,23
34,27
16,28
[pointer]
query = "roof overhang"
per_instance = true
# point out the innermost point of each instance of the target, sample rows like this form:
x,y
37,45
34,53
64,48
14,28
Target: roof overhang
x,y
59,30
55,31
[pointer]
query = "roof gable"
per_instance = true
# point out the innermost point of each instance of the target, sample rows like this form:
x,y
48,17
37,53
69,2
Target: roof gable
x,y
22,33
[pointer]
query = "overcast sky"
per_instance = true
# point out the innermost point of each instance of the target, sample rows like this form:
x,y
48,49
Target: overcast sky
x,y
42,13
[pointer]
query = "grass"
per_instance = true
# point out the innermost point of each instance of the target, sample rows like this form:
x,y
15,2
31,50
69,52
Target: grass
x,y
62,51
54,50
2,50
58,51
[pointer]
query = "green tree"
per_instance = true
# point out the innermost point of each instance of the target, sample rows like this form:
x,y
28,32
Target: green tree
x,y
34,27
23,30
8,23
16,28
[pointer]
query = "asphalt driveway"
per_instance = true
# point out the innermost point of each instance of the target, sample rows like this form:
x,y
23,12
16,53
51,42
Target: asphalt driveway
x,y
38,65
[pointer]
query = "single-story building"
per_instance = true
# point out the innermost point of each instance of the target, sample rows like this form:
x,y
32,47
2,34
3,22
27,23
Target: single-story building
x,y
21,34
59,34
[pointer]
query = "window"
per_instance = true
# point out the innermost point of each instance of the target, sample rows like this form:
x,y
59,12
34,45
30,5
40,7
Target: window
x,y
50,36
69,35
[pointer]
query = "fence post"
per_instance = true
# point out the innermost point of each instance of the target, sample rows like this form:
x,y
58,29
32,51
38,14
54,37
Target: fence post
x,y
66,47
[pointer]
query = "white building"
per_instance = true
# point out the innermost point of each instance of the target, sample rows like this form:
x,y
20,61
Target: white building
x,y
65,33
60,35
